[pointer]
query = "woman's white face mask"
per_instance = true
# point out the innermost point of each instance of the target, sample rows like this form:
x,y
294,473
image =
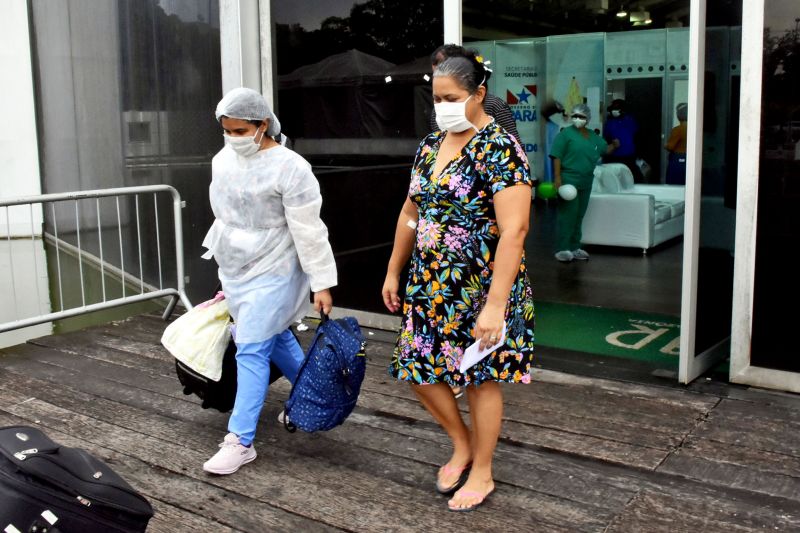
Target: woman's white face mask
x,y
245,146
452,116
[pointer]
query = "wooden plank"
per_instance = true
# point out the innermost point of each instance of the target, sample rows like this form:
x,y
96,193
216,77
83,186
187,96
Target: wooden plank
x,y
170,519
523,433
95,346
612,417
343,497
184,408
555,428
602,398
669,512
24,355
381,352
155,425
181,492
737,467
760,427
515,466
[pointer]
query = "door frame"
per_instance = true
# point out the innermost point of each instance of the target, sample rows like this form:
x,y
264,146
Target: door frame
x,y
742,371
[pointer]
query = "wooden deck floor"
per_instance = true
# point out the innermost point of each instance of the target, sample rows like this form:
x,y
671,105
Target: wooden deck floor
x,y
576,453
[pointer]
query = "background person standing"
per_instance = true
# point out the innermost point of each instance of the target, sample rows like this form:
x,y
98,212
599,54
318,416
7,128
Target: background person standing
x,y
620,131
676,146
271,247
576,152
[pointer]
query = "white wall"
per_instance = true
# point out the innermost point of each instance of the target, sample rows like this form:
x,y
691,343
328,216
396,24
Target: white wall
x,y
19,156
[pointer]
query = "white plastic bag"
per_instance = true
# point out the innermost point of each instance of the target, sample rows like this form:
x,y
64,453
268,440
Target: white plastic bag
x,y
200,337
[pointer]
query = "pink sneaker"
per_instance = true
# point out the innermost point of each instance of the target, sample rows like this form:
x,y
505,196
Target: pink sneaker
x,y
230,457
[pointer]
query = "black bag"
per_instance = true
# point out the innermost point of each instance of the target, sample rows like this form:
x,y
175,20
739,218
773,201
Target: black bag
x,y
48,487
219,395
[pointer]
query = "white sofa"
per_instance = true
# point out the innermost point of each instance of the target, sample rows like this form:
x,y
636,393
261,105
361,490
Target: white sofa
x,y
622,213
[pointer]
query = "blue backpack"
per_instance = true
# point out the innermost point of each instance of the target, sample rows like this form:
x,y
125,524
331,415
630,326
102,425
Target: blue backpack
x,y
329,380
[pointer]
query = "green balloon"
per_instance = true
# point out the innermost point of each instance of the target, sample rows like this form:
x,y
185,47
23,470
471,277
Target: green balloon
x,y
546,190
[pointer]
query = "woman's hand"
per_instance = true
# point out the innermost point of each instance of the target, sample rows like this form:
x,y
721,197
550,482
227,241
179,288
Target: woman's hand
x,y
390,287
323,301
489,325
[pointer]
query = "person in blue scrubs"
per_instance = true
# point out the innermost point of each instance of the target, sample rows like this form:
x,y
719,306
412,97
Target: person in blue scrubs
x,y
620,130
271,248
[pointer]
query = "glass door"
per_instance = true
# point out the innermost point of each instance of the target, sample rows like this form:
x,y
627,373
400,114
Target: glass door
x,y
710,188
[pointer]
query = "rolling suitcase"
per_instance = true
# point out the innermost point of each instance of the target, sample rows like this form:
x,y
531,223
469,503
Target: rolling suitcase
x,y
48,487
221,394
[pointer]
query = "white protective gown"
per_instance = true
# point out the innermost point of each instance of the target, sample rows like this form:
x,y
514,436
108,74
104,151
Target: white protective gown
x,y
268,239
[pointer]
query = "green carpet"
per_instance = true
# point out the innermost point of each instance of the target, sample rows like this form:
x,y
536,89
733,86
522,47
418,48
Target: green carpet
x,y
616,333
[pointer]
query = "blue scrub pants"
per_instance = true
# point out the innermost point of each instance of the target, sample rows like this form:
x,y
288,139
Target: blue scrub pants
x,y
252,364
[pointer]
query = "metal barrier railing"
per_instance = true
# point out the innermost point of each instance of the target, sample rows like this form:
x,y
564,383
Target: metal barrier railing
x,y
83,256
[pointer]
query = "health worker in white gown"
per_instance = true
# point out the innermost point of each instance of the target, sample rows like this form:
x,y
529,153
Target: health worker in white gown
x,y
272,248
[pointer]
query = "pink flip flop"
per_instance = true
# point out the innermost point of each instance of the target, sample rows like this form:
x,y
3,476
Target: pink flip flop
x,y
462,478
470,494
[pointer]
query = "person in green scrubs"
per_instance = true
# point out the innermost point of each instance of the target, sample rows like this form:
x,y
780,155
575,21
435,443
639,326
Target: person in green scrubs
x,y
575,153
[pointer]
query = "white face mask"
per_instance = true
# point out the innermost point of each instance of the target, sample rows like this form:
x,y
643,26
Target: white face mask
x,y
579,122
245,146
615,113
452,116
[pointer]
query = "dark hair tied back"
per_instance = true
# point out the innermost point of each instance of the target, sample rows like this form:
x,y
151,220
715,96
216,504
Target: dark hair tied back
x,y
465,66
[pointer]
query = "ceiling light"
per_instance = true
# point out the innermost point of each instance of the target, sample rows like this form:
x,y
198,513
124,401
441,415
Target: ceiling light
x,y
622,13
640,17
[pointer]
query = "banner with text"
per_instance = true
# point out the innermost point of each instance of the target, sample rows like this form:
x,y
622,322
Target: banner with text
x,y
516,72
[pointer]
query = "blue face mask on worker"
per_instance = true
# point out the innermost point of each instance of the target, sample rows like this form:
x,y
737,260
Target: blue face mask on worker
x,y
246,146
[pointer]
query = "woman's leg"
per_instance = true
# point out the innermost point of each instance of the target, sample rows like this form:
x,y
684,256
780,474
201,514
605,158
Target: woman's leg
x,y
252,365
438,399
288,355
486,413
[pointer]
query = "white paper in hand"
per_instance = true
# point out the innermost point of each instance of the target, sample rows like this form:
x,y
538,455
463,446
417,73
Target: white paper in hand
x,y
473,354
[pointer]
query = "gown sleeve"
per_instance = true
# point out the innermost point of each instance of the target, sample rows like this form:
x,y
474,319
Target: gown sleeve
x,y
302,203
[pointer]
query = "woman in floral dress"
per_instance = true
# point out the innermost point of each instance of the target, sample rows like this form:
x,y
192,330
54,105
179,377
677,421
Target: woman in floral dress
x,y
464,225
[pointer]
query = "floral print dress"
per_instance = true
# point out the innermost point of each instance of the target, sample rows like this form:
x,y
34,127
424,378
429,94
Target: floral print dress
x,y
452,263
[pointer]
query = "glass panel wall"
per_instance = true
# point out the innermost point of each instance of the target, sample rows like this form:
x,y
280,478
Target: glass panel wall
x,y
125,96
353,96
778,234
632,56
608,55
